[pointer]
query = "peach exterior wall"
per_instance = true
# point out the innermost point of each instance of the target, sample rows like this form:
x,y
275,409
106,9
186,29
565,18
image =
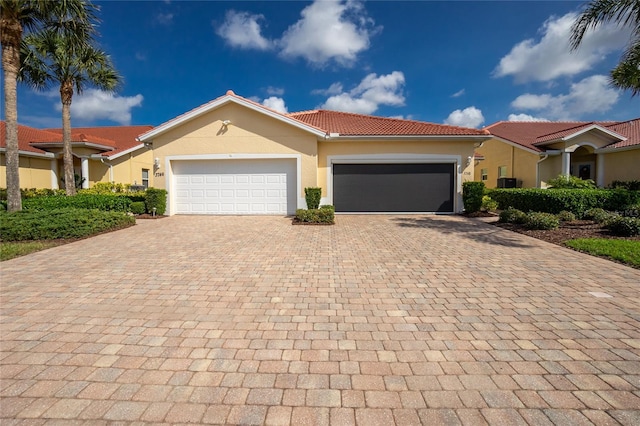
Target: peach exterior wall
x,y
126,169
520,164
34,172
623,165
250,132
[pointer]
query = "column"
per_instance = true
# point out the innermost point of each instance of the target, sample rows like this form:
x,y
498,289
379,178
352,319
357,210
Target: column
x,y
54,174
566,163
600,170
84,162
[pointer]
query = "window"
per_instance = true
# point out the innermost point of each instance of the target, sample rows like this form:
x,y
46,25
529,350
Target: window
x,y
145,178
484,173
502,172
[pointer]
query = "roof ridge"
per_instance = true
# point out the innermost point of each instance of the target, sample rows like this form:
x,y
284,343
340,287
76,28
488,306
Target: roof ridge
x,y
581,124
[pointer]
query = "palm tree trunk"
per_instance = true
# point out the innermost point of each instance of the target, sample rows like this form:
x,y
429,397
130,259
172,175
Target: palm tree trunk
x,y
66,93
11,34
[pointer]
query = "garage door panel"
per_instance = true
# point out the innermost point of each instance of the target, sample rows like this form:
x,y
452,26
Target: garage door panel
x,y
235,187
420,187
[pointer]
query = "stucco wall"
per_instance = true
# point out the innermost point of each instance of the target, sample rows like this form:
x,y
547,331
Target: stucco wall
x,y
623,165
521,164
34,172
550,169
250,132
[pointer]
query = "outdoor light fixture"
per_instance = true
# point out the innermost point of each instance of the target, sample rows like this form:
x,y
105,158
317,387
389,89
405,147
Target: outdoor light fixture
x,y
225,123
156,163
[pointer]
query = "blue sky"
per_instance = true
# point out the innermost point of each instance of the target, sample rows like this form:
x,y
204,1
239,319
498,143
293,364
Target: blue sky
x,y
463,63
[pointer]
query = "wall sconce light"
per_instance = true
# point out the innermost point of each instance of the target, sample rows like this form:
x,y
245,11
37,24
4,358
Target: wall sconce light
x,y
225,123
156,163
469,160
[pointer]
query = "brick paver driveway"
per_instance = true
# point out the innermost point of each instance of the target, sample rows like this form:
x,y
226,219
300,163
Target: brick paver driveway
x,y
377,320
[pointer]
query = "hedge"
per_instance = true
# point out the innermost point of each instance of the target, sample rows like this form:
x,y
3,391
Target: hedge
x,y
313,196
104,202
60,223
577,201
156,198
324,214
472,193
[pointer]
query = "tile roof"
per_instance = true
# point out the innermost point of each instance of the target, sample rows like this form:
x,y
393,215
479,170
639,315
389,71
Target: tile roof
x,y
121,138
26,135
349,124
535,134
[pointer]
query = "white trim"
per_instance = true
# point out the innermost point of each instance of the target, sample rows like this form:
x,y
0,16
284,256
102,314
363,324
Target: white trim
x,y
574,147
397,159
606,150
120,154
47,155
165,127
508,142
594,127
59,145
168,177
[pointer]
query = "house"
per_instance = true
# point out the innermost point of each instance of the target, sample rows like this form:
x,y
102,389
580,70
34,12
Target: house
x,y
101,154
235,156
528,154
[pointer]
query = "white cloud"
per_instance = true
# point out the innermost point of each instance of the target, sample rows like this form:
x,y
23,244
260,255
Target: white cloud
x,y
275,103
242,30
164,18
525,117
274,91
94,104
458,93
334,89
550,57
372,92
468,117
590,95
329,30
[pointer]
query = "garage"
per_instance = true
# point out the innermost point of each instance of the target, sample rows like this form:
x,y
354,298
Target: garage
x,y
230,187
394,187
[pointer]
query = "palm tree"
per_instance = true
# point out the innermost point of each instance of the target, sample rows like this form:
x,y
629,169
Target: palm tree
x,y
70,59
18,16
626,75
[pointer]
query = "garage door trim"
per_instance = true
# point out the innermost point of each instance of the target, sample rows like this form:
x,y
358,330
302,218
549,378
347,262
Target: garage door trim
x,y
169,171
456,160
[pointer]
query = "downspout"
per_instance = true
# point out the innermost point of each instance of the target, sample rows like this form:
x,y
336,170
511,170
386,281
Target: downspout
x,y
538,185
110,169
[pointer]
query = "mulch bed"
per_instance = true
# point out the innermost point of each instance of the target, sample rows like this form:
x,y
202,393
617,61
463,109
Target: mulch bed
x,y
567,231
148,216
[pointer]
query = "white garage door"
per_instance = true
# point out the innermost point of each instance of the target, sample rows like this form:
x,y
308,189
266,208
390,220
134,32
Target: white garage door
x,y
234,186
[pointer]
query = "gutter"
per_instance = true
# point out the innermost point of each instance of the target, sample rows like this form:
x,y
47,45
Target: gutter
x,y
110,169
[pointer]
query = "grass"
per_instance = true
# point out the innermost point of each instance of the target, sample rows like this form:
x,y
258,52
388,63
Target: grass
x,y
16,249
625,251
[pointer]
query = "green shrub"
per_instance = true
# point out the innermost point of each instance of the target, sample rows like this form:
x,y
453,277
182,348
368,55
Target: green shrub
x,y
596,214
624,226
488,204
622,199
312,196
566,216
326,214
107,188
632,185
512,215
632,211
80,201
538,220
137,207
156,198
577,201
472,193
571,182
60,223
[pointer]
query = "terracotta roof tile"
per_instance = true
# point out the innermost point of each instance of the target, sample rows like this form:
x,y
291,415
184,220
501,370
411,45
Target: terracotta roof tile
x,y
120,138
26,135
630,129
349,124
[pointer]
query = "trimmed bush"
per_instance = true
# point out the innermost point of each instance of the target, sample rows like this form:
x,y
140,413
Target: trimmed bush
x,y
596,214
488,204
577,201
512,215
538,220
472,193
325,214
137,207
156,198
81,201
632,185
312,196
624,226
60,223
565,216
571,182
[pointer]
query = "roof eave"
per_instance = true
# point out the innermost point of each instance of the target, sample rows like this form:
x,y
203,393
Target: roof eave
x,y
340,138
606,150
48,155
119,154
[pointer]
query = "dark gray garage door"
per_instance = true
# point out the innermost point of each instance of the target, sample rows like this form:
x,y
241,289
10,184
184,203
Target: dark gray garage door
x,y
393,187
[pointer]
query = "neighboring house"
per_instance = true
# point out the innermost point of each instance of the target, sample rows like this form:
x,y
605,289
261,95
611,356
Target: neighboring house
x,y
235,156
528,154
101,154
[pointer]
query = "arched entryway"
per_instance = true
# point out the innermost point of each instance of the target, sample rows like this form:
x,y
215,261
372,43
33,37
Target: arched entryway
x,y
583,162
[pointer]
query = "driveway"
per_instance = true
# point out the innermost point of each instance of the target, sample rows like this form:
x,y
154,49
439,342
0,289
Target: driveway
x,y
376,320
